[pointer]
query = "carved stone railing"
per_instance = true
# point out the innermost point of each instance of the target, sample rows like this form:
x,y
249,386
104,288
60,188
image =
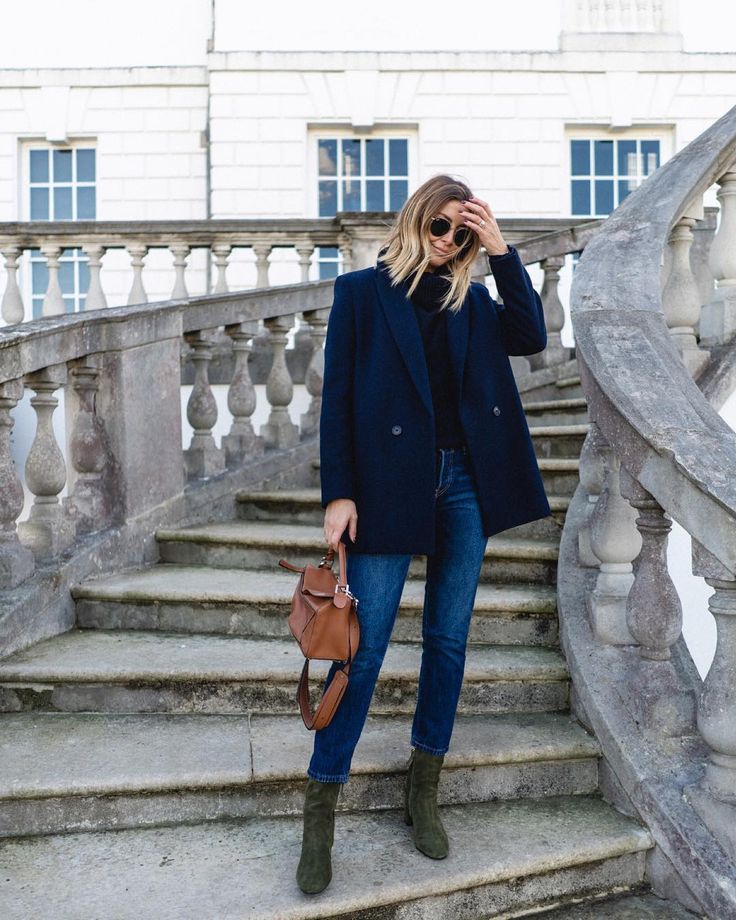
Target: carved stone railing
x,y
658,451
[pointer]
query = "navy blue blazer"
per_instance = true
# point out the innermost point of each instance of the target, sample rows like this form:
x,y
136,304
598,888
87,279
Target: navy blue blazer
x,y
377,439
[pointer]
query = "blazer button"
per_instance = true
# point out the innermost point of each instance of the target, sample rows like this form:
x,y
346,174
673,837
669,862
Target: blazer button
x,y
496,410
396,429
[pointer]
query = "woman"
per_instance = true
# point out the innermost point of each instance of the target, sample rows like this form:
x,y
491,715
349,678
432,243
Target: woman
x,y
424,450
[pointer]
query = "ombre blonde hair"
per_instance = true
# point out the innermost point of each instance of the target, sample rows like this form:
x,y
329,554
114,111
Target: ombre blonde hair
x,y
406,249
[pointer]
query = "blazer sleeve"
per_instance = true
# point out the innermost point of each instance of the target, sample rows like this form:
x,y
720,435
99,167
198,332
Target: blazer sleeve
x,y
521,315
337,469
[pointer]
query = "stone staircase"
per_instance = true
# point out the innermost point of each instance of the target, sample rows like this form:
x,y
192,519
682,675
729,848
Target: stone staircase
x,y
152,759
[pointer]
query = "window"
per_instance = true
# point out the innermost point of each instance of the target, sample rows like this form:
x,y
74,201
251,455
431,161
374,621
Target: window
x,y
62,186
359,174
604,172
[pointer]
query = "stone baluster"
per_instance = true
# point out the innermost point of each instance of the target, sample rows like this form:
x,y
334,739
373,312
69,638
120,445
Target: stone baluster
x,y
314,377
680,297
47,531
221,252
202,458
12,303
180,252
95,295
16,560
653,608
616,542
715,796
262,251
305,252
554,316
53,302
89,505
137,253
242,442
592,473
345,245
279,430
718,317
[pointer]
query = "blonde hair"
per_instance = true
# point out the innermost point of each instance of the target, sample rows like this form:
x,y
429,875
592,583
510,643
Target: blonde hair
x,y
406,249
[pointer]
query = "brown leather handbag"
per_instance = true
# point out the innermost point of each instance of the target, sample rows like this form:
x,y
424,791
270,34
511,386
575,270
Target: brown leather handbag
x,y
324,622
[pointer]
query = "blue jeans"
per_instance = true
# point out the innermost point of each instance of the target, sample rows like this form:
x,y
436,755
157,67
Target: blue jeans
x,y
377,580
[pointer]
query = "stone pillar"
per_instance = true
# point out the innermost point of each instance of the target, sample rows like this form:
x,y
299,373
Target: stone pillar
x,y
653,608
16,560
305,251
53,302
180,252
95,295
718,317
279,431
12,302
262,252
221,252
47,531
241,443
202,458
138,253
314,377
554,316
592,473
616,542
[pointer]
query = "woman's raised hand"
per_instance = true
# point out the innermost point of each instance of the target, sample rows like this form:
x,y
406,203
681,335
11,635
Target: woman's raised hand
x,y
339,514
479,218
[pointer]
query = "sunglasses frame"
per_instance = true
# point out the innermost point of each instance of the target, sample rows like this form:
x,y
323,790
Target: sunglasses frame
x,y
464,231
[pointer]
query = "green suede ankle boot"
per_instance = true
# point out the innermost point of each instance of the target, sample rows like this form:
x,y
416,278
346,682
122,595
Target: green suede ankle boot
x,y
315,864
420,804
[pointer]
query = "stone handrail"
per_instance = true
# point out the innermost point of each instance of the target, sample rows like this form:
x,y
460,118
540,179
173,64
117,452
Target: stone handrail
x,y
656,451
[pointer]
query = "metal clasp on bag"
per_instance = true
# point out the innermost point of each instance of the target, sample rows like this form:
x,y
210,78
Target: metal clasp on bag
x,y
346,590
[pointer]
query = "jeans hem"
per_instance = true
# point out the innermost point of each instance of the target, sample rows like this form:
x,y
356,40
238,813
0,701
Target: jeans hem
x,y
326,777
438,752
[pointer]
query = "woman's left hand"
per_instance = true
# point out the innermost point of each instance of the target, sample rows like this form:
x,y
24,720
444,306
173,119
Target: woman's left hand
x,y
479,217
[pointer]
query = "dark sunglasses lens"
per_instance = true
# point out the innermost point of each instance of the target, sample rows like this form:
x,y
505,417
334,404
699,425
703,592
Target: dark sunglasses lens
x,y
462,235
439,226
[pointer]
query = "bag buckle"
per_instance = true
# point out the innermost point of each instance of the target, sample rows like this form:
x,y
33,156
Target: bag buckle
x,y
346,590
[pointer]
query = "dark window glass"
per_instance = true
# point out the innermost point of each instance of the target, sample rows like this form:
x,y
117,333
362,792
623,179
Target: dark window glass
x,y
327,270
327,199
63,203
66,277
328,252
83,278
374,189
627,158
398,191
86,203
62,165
39,204
350,158
37,307
351,195
398,157
623,188
580,196
69,304
604,158
374,158
580,157
39,166
327,155
603,196
650,156
86,165
39,277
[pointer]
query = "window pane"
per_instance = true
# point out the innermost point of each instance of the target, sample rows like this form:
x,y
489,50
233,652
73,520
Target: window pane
x,y
37,307
86,165
327,252
627,158
83,276
603,158
327,270
397,158
603,196
351,195
327,199
650,156
374,158
66,277
39,166
327,157
62,203
580,196
398,192
580,158
625,187
62,166
69,304
86,203
374,189
350,158
39,204
39,277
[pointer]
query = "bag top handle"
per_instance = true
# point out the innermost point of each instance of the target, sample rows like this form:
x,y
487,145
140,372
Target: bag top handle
x,y
328,559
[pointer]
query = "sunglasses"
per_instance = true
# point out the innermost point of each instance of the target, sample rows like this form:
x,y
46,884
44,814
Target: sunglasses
x,y
440,226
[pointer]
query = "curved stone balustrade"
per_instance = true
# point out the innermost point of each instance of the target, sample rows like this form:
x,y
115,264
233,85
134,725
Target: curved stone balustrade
x,y
658,451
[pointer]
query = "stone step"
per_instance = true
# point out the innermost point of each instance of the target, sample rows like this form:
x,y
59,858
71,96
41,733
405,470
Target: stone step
x,y
505,857
534,406
84,771
560,475
627,907
558,440
128,671
198,599
260,544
